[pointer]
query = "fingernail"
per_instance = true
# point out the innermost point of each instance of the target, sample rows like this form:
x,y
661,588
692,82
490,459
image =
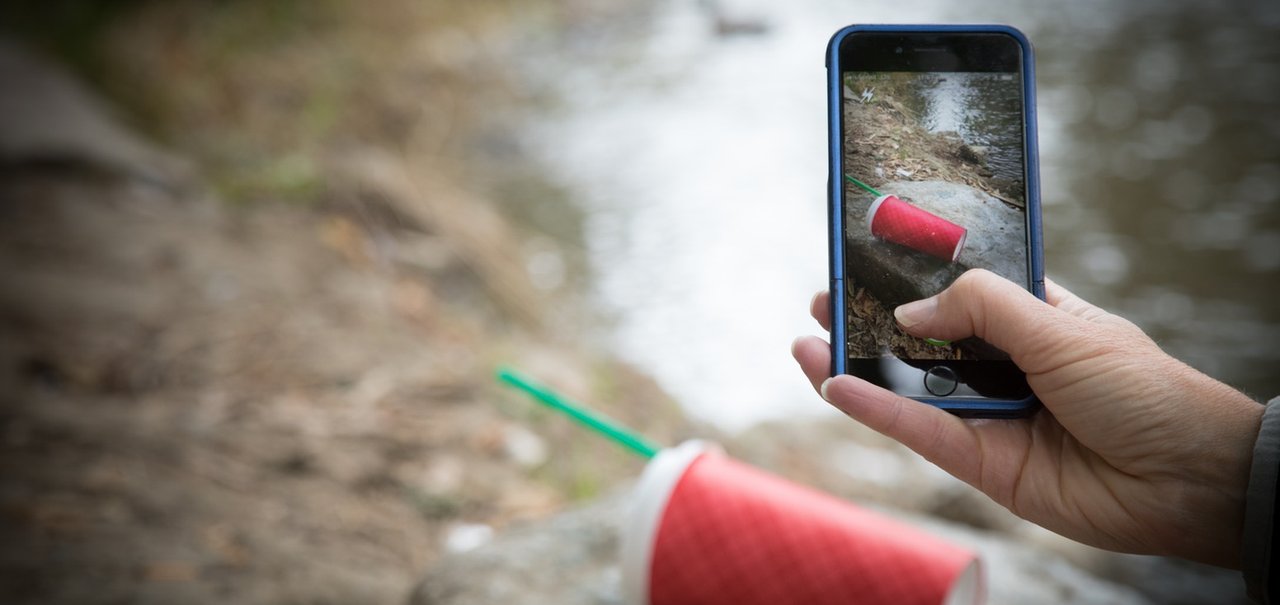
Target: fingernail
x,y
822,390
916,312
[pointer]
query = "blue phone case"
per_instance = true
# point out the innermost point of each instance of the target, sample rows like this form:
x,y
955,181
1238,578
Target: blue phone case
x,y
973,407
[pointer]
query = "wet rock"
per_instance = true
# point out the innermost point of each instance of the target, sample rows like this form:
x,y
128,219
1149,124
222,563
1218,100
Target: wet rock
x,y
727,26
896,274
572,559
974,154
48,117
1175,581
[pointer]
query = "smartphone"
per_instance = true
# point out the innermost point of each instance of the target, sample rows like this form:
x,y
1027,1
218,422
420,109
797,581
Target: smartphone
x,y
933,171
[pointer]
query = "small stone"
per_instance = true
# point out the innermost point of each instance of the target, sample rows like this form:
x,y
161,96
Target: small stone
x,y
974,154
465,537
524,447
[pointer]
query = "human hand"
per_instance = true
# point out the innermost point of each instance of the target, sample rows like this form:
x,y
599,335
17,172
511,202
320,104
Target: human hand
x,y
1134,450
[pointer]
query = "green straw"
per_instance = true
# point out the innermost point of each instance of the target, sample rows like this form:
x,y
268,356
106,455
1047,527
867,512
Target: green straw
x,y
596,422
863,185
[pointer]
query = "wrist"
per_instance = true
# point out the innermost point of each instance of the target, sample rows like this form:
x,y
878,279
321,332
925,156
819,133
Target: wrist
x,y
1227,458
1258,526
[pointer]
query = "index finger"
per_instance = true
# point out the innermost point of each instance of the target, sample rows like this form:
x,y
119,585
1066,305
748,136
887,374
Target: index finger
x,y
820,309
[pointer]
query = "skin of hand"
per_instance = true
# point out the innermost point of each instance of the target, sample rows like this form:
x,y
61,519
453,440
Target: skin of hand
x,y
1134,451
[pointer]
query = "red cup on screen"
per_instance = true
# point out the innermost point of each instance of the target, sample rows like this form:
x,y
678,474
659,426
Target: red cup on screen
x,y
892,219
706,529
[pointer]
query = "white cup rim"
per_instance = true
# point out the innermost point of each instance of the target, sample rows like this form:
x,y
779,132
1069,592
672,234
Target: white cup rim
x,y
642,521
970,586
875,208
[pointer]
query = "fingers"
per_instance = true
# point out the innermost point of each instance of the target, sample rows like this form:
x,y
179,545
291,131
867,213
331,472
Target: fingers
x,y
820,309
937,435
814,356
1072,304
1055,294
994,309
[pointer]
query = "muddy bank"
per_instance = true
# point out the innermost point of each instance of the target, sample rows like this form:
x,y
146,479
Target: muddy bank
x,y
254,363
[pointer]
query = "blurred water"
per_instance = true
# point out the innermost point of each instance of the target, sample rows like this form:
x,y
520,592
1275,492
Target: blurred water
x,y
700,161
984,109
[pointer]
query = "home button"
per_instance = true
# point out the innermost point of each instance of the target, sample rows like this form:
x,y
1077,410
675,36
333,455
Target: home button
x,y
940,381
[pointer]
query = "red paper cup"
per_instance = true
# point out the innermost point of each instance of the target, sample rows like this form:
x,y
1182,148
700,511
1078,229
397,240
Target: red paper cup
x,y
892,219
709,530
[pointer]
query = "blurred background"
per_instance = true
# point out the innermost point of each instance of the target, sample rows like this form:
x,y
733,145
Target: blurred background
x,y
258,261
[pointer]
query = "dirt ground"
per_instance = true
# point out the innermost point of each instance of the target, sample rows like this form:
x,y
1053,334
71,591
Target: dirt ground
x,y
254,364
197,409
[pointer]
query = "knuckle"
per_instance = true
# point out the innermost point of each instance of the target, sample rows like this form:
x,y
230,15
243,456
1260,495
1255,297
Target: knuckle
x,y
965,282
971,285
974,278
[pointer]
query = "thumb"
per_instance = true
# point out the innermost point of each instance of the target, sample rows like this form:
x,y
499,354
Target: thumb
x,y
983,304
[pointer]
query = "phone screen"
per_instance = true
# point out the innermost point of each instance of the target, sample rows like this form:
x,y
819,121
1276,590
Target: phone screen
x,y
933,135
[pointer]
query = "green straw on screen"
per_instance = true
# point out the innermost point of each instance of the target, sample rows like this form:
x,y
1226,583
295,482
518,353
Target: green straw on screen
x,y
605,426
863,185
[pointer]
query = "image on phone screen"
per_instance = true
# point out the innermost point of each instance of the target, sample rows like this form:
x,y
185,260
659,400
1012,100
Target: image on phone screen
x,y
934,182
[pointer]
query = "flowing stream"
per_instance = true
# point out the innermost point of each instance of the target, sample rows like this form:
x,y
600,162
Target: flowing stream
x,y
700,160
981,111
